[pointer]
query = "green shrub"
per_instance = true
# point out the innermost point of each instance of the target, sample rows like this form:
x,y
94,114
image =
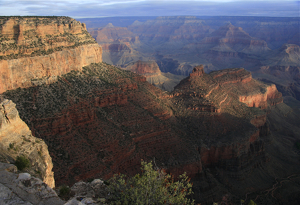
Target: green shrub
x,y
151,187
22,162
64,190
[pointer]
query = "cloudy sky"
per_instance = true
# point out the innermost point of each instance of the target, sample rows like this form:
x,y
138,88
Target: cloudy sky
x,y
96,8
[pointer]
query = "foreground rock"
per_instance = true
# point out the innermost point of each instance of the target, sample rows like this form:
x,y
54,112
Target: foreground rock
x,y
22,188
89,193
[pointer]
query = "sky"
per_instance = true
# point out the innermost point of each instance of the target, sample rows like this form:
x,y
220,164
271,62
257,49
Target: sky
x,y
95,8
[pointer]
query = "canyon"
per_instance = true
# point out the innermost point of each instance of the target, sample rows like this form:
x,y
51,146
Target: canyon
x,y
232,134
178,44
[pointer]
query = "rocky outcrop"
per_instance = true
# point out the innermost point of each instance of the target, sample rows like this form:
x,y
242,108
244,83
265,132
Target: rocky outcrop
x,y
93,193
197,71
283,70
22,188
16,140
220,92
145,68
208,87
35,48
150,70
270,96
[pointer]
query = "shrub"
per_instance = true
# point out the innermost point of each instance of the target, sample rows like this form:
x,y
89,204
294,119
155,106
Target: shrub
x,y
64,190
252,202
151,187
22,162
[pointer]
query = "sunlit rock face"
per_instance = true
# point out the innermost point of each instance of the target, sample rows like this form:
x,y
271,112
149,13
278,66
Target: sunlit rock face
x,y
41,48
16,140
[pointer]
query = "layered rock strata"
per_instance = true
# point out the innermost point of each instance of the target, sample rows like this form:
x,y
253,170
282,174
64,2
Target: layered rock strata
x,y
135,124
16,140
202,125
219,111
43,48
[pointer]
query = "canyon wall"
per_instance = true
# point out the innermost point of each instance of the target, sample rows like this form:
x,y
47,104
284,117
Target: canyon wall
x,y
103,121
42,48
16,140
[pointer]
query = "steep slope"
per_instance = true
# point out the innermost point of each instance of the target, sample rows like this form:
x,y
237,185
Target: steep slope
x,y
239,151
42,47
134,118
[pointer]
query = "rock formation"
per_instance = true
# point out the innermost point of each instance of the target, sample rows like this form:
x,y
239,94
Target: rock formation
x,y
118,44
22,188
215,42
150,70
283,70
16,140
75,106
43,48
211,92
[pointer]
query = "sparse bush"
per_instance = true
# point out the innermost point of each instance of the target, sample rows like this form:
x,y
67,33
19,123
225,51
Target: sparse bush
x,y
64,191
151,187
22,162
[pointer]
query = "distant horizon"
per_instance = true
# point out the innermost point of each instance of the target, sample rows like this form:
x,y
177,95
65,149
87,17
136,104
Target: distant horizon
x,y
52,16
